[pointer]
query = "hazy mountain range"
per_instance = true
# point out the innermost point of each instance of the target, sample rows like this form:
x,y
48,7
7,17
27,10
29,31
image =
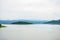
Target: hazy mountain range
x,y
29,21
53,22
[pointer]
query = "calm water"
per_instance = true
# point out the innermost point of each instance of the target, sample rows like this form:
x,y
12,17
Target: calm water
x,y
30,32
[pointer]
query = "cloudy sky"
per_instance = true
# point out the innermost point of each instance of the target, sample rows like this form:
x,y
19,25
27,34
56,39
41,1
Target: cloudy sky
x,y
29,9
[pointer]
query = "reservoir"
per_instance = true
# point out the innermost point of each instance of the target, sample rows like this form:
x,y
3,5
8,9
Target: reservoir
x,y
30,32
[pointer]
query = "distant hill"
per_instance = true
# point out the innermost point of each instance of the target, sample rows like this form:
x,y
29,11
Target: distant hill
x,y
21,22
7,21
30,22
53,22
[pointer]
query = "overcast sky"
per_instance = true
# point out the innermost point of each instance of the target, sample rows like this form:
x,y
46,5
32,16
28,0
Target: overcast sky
x,y
30,9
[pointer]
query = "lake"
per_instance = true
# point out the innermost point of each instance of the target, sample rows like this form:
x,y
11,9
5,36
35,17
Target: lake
x,y
30,32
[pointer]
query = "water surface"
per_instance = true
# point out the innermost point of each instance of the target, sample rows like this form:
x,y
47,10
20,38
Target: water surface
x,y
30,32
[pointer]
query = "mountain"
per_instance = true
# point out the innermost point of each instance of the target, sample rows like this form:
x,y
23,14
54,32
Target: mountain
x,y
29,22
7,21
21,22
53,22
18,21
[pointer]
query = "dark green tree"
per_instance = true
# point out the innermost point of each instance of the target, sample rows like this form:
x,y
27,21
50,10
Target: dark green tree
x,y
0,25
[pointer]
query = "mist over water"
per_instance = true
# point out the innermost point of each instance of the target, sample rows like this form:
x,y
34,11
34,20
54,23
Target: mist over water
x,y
30,32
